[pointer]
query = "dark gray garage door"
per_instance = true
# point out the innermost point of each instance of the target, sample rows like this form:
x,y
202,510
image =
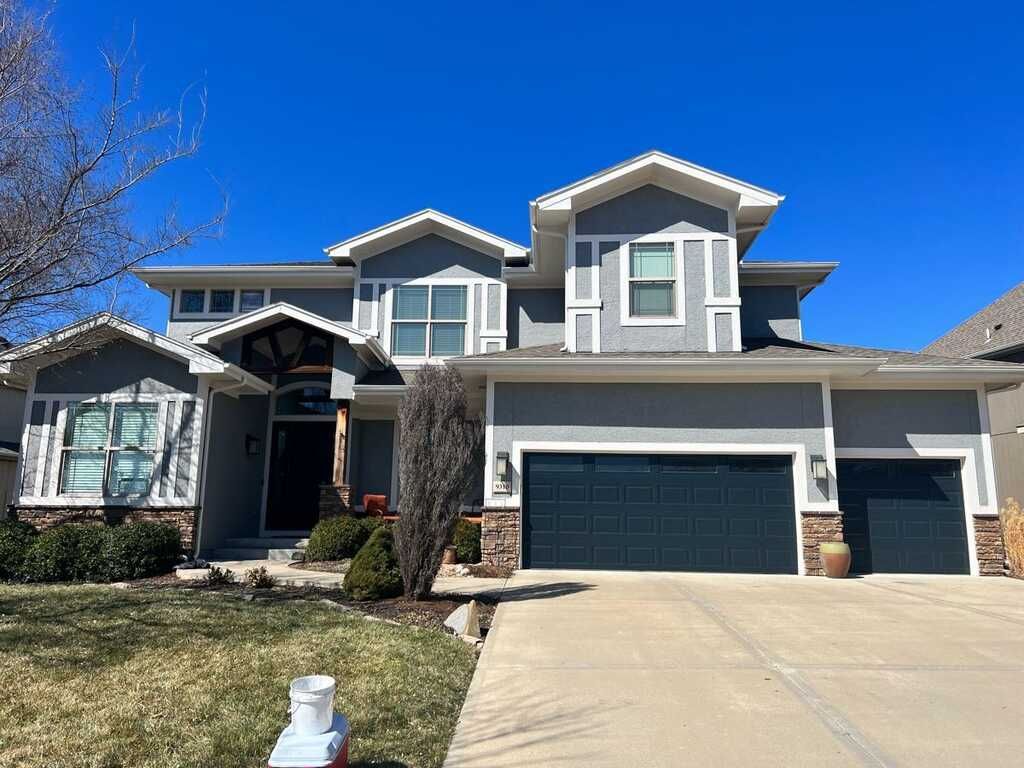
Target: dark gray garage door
x,y
659,513
903,516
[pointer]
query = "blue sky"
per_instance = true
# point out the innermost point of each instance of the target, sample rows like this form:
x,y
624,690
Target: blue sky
x,y
895,133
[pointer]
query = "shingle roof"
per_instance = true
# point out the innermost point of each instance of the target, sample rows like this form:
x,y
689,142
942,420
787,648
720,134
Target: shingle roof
x,y
970,338
754,349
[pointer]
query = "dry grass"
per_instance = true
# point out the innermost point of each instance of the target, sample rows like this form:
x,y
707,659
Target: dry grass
x,y
104,678
1013,536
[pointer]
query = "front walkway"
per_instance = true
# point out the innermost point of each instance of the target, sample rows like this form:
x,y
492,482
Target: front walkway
x,y
612,669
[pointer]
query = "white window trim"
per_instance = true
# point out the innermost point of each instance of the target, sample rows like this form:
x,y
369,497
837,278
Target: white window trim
x,y
178,316
108,450
51,497
470,344
679,318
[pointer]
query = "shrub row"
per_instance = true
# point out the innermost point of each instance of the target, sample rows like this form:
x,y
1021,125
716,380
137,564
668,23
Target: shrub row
x,y
87,552
338,538
466,539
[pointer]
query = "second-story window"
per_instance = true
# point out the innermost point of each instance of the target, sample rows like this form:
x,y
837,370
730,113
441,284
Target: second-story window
x,y
428,318
222,302
652,280
191,302
250,300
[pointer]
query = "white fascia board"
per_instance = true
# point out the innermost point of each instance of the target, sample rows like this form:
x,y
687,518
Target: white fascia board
x,y
236,326
634,369
507,248
1008,374
561,199
164,279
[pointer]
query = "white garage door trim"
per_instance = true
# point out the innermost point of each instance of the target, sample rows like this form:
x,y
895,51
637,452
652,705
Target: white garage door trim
x,y
968,477
797,451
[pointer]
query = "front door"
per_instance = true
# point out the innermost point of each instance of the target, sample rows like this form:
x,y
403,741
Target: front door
x,y
301,458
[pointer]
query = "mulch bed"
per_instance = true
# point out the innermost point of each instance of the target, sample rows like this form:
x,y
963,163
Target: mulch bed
x,y
428,614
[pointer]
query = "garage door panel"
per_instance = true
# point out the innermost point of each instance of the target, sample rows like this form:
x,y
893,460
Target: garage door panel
x,y
676,513
903,515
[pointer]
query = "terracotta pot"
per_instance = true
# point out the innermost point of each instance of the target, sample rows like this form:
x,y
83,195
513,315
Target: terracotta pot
x,y
835,558
450,556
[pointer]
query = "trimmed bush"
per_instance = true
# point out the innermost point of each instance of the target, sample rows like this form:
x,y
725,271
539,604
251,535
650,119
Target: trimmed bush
x,y
467,541
15,539
374,571
54,554
138,550
338,538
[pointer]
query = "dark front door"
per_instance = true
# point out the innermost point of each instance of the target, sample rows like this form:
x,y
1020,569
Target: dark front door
x,y
301,458
659,513
903,516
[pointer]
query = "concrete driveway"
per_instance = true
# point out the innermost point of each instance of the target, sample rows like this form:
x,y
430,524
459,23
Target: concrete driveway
x,y
622,669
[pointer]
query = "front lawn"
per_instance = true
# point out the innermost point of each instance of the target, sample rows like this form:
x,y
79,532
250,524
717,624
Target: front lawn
x,y
95,676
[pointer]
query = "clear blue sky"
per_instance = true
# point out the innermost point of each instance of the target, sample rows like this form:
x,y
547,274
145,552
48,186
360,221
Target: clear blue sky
x,y
896,134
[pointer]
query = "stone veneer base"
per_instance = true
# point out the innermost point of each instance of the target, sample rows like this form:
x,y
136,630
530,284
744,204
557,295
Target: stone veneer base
x,y
499,536
185,519
335,500
988,542
818,527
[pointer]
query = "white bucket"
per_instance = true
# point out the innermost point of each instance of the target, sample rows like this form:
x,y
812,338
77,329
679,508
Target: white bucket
x,y
312,707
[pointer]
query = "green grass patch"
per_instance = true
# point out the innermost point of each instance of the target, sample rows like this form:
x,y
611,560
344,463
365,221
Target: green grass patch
x,y
104,678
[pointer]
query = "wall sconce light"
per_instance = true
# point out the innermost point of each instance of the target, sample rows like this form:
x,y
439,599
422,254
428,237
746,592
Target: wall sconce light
x,y
819,468
252,445
501,483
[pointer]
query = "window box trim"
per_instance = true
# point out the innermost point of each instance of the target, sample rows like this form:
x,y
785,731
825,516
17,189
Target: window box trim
x,y
469,342
206,314
625,281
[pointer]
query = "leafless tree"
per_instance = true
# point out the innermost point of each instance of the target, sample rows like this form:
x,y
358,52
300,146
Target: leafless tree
x,y
441,453
69,173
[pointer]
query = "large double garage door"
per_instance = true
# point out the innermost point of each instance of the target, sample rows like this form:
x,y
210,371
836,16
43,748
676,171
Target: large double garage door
x,y
733,513
659,513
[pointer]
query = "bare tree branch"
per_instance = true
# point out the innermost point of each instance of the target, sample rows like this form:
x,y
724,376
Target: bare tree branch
x,y
68,180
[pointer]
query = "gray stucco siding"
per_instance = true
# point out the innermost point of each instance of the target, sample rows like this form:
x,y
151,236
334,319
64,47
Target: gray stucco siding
x,y
650,209
234,479
584,260
790,413
430,256
372,443
536,316
770,311
723,332
691,337
950,419
120,366
720,268
332,303
584,333
12,413
347,370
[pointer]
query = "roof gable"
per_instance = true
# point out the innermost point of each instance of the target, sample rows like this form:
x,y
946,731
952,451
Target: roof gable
x,y
416,225
999,327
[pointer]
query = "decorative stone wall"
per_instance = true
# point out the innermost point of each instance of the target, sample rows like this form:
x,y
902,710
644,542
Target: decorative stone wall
x,y
818,527
335,500
499,537
988,541
185,519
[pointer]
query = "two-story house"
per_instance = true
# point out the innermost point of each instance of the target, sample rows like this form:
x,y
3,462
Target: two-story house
x,y
649,399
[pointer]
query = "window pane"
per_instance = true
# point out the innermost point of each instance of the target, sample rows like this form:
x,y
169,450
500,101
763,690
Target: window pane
x,y
190,301
308,401
447,339
651,299
130,472
409,339
410,303
448,302
83,471
135,425
651,260
250,300
87,425
222,301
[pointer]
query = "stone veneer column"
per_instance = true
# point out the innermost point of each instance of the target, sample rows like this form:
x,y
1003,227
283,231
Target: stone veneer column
x,y
499,537
818,527
335,500
988,543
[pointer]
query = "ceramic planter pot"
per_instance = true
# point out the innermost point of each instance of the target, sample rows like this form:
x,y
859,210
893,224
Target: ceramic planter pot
x,y
835,558
450,555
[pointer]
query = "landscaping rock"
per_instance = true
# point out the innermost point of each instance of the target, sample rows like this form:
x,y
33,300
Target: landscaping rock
x,y
464,621
192,574
120,585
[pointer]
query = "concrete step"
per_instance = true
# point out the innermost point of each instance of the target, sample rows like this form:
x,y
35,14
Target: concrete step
x,y
266,542
284,554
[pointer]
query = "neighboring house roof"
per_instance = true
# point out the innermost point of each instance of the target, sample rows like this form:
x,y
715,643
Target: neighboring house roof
x,y
780,354
421,223
48,349
215,335
998,328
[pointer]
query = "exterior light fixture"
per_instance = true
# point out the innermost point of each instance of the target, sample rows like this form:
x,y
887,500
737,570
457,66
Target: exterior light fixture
x,y
501,483
819,468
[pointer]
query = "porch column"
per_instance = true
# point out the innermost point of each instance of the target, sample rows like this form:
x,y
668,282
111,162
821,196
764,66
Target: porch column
x,y
336,496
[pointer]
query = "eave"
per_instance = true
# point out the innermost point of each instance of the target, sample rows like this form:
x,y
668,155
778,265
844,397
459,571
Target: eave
x,y
165,279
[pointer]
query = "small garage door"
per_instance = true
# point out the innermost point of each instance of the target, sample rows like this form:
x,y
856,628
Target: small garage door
x,y
659,513
903,516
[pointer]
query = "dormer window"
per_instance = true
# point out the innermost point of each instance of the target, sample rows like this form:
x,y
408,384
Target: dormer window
x,y
652,280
